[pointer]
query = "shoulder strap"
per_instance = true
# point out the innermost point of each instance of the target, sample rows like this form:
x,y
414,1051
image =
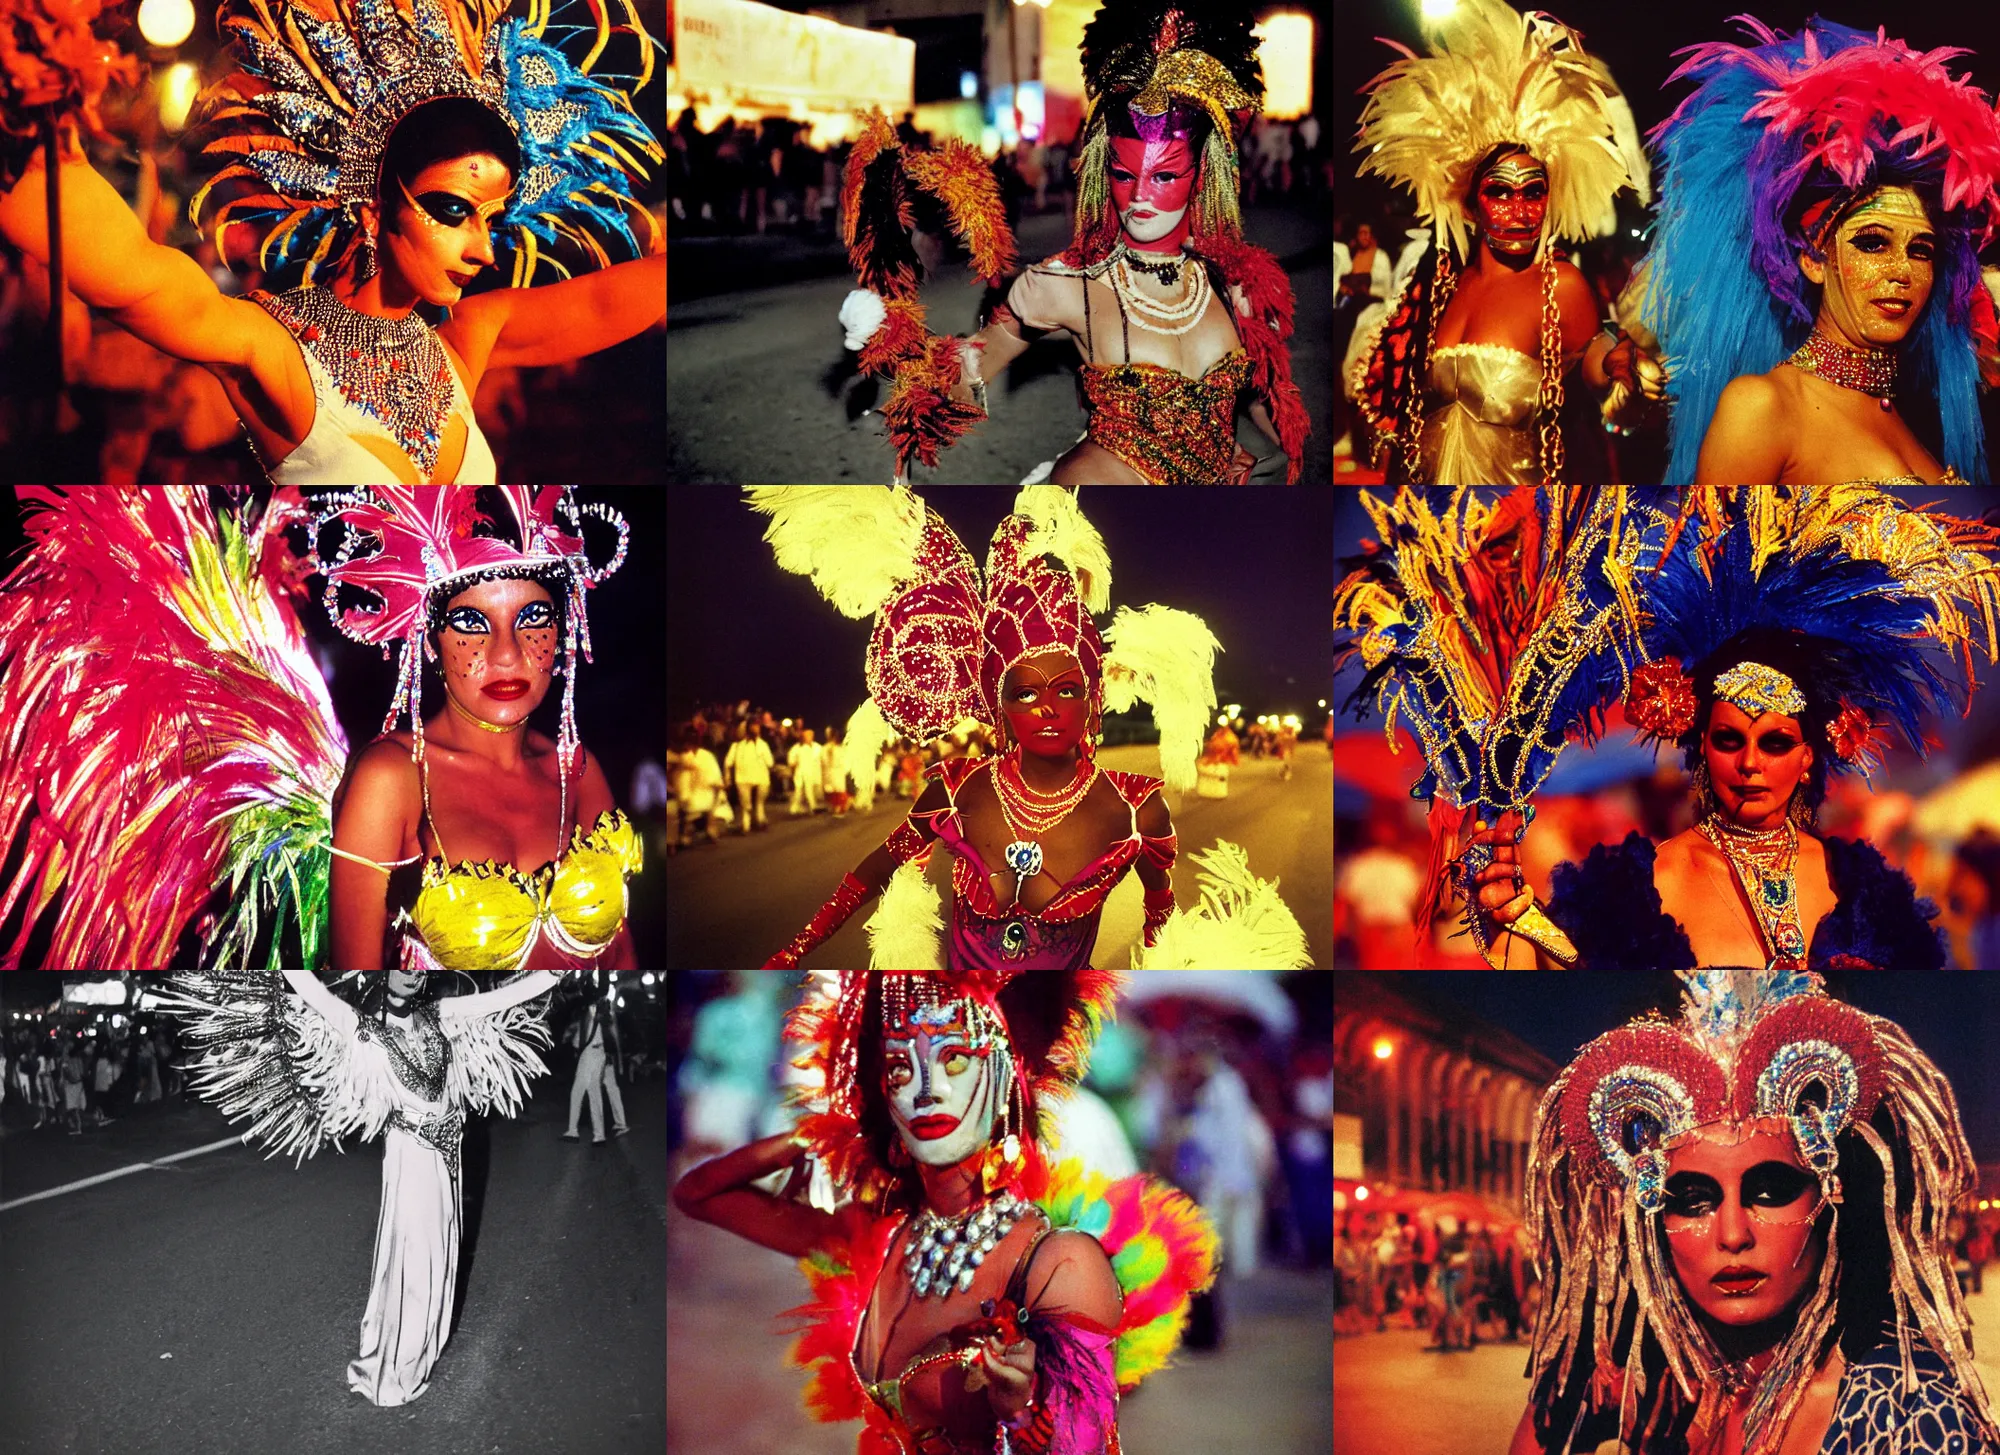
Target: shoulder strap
x,y
1017,1283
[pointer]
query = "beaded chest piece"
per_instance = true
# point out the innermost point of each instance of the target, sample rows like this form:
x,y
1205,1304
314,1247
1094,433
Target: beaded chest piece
x,y
394,370
417,1049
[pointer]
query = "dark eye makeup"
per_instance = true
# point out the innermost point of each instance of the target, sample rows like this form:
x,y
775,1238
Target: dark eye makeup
x,y
1768,1184
1777,742
466,619
446,207
1726,739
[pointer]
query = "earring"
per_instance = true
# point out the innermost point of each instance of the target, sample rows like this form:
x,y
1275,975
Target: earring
x,y
365,265
1705,805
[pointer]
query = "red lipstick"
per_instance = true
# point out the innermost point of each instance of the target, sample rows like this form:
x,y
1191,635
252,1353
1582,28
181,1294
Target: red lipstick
x,y
1738,1281
506,690
930,1128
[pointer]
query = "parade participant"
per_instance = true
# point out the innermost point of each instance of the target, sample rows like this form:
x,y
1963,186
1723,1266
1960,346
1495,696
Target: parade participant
x,y
207,798
1773,638
1040,834
1825,199
1288,744
970,1293
748,768
1173,313
307,1069
383,156
1741,1221
1512,139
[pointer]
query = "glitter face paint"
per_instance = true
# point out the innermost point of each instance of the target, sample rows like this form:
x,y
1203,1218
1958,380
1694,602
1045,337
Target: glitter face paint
x,y
495,632
439,239
943,1082
1511,202
1740,1216
1880,268
1152,183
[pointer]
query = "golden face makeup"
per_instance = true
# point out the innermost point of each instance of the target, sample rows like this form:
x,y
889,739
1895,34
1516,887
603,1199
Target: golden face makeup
x,y
1510,202
1879,269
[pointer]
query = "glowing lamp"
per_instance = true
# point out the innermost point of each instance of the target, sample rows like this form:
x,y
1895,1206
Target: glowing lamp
x,y
166,23
1384,1048
1361,1194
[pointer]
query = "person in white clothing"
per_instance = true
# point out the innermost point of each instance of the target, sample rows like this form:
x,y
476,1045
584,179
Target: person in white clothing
x,y
807,773
699,786
748,769
588,1033
833,772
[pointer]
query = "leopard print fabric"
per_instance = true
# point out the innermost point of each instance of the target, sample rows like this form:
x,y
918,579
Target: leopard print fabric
x,y
1874,1416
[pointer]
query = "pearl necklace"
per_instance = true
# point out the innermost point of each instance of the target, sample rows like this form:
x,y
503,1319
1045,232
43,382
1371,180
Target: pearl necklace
x,y
1867,371
1168,319
944,1252
1766,865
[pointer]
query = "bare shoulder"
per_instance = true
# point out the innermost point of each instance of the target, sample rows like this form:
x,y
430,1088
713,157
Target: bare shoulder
x,y
1677,858
1751,434
1048,294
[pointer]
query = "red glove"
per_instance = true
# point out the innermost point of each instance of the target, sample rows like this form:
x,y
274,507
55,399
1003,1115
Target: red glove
x,y
1159,907
832,915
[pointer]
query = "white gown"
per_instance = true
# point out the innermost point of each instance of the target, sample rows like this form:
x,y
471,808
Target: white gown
x,y
328,1072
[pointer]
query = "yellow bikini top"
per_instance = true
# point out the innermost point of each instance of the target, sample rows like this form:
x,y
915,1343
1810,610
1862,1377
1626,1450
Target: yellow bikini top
x,y
485,916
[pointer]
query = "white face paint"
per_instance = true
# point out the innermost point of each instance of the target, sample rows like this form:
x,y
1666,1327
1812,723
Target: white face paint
x,y
943,1092
1143,228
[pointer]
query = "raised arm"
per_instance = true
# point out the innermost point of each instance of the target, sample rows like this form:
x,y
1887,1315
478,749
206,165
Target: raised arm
x,y
163,296
718,1191
337,1011
492,1002
524,327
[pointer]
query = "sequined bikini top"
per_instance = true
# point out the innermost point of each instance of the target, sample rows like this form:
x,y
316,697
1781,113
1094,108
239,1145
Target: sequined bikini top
x,y
1171,428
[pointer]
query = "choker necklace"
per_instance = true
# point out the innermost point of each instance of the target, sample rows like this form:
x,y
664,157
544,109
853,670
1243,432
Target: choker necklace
x,y
1867,371
1765,862
944,1252
452,702
1167,270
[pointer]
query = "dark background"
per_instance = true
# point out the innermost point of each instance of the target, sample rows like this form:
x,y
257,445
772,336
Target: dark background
x,y
1953,1019
1252,563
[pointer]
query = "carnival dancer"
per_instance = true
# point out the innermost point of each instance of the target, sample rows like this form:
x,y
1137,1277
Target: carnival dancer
x,y
383,155
1742,1224
207,801
1040,834
1814,276
970,1293
1786,636
1174,314
307,1069
1513,140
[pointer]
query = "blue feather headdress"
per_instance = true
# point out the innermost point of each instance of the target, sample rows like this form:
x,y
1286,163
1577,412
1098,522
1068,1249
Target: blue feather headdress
x,y
324,83
1829,114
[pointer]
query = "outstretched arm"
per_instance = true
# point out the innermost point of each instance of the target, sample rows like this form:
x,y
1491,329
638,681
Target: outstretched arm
x,y
163,296
718,1191
337,1011
492,1002
524,327
910,839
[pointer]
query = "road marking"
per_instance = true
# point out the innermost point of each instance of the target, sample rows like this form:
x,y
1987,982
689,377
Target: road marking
x,y
121,1172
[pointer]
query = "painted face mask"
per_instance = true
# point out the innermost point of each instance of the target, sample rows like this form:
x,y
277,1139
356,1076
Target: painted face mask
x,y
946,1070
1151,185
1510,203
1880,267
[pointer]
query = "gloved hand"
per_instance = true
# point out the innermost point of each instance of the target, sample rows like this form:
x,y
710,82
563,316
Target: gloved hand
x,y
861,314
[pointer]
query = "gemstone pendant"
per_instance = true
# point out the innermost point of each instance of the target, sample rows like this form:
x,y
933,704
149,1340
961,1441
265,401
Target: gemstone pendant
x,y
1023,858
1014,938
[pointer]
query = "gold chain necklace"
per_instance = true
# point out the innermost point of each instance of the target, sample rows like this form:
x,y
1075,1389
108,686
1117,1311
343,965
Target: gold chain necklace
x,y
1024,808
1765,863
481,722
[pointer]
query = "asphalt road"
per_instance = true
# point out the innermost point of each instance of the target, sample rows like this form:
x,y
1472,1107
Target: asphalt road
x,y
731,1391
731,905
760,391
210,1305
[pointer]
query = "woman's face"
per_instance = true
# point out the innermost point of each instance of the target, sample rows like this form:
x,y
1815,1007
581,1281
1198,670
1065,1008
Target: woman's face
x,y
944,1091
1754,764
1046,700
405,983
498,647
1740,1218
1152,183
438,236
1511,202
1879,270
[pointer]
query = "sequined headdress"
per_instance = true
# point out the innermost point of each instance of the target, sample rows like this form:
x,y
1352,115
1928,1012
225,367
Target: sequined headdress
x,y
1764,1050
323,84
944,638
1496,77
1044,1022
424,551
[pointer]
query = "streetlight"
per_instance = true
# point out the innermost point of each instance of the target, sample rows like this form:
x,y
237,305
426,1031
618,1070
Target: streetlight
x,y
1384,1048
1361,1194
166,23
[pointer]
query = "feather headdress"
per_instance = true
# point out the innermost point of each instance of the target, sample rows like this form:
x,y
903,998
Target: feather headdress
x,y
1496,77
324,83
1824,116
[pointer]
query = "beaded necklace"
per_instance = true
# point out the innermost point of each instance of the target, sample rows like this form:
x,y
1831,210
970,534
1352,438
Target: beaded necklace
x,y
944,1252
1765,863
1867,371
1022,808
1156,316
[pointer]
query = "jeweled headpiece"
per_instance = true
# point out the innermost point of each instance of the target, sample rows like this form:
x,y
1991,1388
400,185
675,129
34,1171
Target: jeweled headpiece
x,y
1756,1050
323,84
1496,77
944,637
1758,689
424,551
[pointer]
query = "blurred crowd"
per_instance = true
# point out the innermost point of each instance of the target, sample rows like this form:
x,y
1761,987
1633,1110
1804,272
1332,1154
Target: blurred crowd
x,y
765,177
1464,1281
1236,1113
77,1075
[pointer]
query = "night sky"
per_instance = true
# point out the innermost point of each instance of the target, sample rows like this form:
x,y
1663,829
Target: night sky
x,y
1637,42
1953,1019
1253,563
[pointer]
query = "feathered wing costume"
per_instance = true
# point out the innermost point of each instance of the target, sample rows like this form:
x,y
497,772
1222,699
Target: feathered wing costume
x,y
1497,632
172,754
1778,142
1494,78
1161,1248
943,639
1766,1051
